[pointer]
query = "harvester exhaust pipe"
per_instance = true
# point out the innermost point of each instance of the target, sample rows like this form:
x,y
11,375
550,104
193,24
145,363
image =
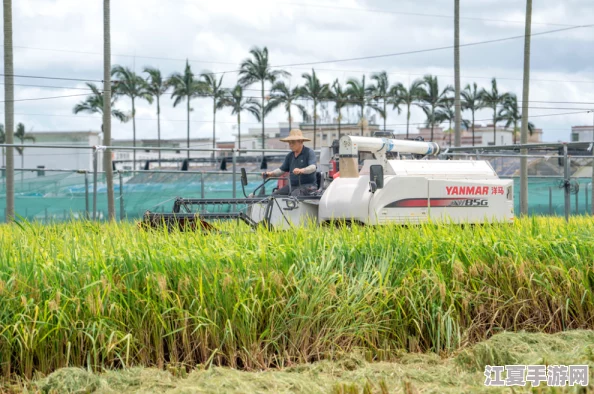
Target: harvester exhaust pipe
x,y
350,146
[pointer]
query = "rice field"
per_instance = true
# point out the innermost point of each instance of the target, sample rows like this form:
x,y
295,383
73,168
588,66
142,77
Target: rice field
x,y
104,296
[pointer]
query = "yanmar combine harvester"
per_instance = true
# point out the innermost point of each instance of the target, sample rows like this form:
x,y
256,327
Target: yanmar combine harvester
x,y
386,188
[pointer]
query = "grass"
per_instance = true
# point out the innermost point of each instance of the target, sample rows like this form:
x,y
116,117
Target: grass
x,y
348,374
103,296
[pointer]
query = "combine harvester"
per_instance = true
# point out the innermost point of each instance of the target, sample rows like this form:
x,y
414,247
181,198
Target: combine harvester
x,y
385,189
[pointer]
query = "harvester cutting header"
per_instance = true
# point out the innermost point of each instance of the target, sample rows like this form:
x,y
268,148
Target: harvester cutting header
x,y
376,185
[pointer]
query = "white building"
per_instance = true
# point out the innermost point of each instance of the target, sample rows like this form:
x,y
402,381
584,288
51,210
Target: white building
x,y
56,158
253,138
143,155
582,133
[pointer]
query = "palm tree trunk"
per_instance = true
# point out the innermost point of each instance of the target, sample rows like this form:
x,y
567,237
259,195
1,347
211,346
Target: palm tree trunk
x,y
362,109
214,118
385,114
473,127
9,109
524,132
263,136
107,163
407,118
458,111
339,120
494,124
188,136
432,120
134,134
159,129
239,131
315,122
290,120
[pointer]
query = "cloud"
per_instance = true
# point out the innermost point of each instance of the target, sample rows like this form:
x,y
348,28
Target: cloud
x,y
64,38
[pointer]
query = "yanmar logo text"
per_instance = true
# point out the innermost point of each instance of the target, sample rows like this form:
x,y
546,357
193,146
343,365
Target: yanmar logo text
x,y
472,190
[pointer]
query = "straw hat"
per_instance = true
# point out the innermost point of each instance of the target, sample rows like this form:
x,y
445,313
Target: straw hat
x,y
295,135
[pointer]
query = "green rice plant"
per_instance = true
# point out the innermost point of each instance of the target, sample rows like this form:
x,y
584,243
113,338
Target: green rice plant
x,y
95,296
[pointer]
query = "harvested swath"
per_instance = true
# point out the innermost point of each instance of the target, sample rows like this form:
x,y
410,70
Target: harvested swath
x,y
104,296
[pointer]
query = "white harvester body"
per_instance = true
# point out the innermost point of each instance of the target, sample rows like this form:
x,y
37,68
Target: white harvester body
x,y
398,190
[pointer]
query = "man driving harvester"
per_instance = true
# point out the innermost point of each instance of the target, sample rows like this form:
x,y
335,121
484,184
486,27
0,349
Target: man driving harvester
x,y
300,163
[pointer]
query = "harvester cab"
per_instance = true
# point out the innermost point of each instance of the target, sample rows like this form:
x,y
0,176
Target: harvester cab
x,y
384,187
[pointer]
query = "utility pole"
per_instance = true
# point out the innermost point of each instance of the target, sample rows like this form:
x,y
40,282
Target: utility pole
x,y
107,166
458,110
592,147
9,109
525,99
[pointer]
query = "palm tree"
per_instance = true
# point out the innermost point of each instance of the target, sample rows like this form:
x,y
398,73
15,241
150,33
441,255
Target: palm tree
x,y
340,99
472,102
359,94
511,114
381,91
93,104
22,135
239,104
316,91
447,113
258,69
492,100
156,87
433,99
408,97
185,87
9,108
212,87
282,94
133,86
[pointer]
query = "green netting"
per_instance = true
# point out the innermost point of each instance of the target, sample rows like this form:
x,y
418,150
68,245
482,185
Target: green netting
x,y
60,196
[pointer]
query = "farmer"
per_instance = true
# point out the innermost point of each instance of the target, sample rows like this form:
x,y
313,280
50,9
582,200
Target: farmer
x,y
300,163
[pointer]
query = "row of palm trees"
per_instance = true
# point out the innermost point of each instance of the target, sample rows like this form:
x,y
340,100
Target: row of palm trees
x,y
379,95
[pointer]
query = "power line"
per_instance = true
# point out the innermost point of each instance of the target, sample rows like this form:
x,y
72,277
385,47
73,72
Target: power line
x,y
45,98
257,123
390,12
435,49
362,57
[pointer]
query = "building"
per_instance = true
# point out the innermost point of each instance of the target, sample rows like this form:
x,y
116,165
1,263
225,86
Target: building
x,y
174,155
325,134
582,133
57,158
253,138
483,135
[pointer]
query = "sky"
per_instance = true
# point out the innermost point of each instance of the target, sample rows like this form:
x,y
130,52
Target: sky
x,y
64,39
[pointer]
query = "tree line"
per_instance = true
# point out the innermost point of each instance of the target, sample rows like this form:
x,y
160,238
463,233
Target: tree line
x,y
379,95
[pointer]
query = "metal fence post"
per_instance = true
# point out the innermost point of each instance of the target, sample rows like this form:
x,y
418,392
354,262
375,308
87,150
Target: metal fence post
x,y
201,184
234,173
586,200
566,183
86,195
94,183
122,214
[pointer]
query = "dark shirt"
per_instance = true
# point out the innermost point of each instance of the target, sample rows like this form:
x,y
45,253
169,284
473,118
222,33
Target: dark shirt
x,y
306,158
